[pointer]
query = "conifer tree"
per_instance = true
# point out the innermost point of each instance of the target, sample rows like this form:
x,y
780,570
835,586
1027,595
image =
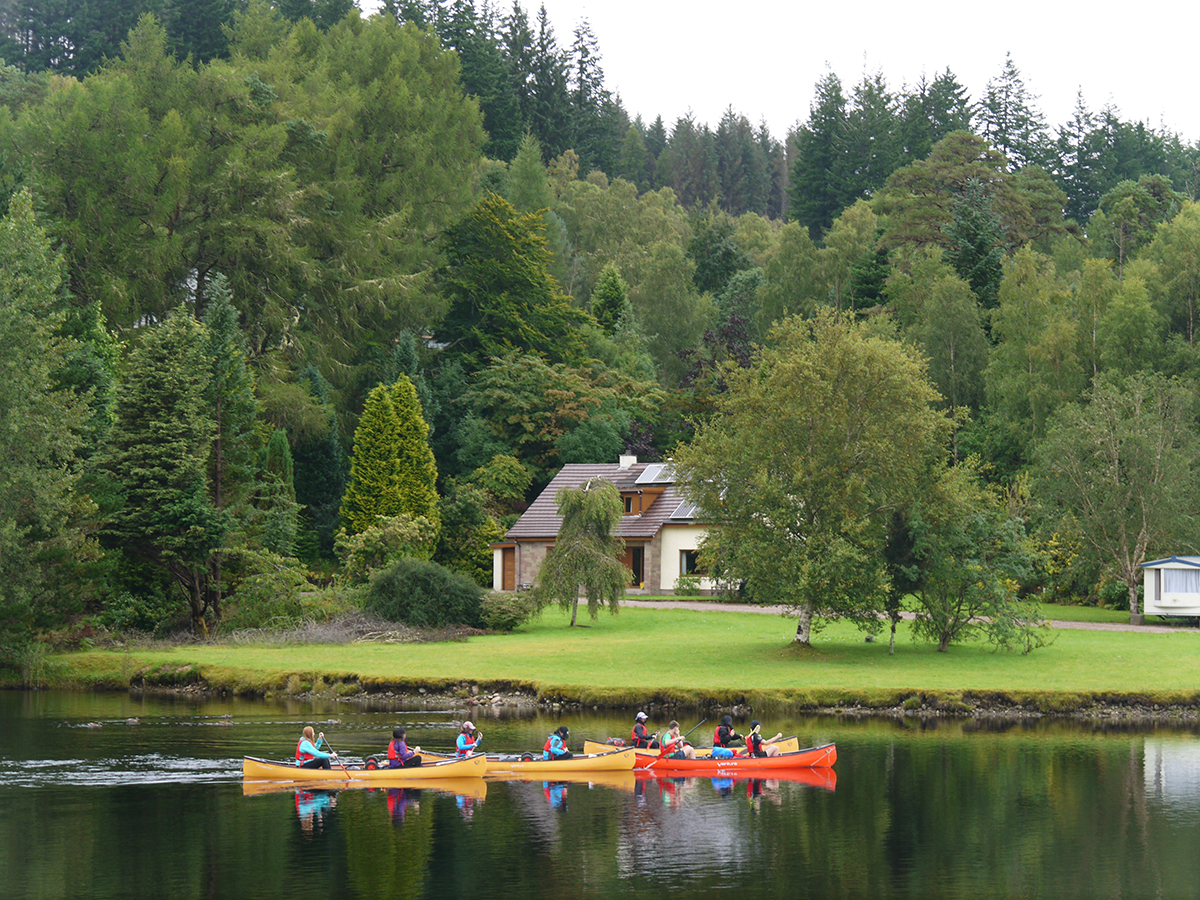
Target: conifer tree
x,y
159,450
277,496
610,299
392,471
320,468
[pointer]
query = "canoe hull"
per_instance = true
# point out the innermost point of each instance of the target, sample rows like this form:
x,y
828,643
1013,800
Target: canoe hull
x,y
785,745
254,769
611,760
474,788
824,756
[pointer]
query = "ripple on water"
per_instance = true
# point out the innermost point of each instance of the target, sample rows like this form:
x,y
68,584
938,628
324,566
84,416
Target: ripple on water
x,y
150,768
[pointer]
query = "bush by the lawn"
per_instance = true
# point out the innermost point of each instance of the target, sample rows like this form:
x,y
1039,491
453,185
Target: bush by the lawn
x,y
424,594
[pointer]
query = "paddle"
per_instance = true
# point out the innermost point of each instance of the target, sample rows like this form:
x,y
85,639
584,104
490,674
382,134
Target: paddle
x,y
693,728
321,737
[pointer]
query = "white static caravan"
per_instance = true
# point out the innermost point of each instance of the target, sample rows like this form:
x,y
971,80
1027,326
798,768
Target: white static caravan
x,y
1171,586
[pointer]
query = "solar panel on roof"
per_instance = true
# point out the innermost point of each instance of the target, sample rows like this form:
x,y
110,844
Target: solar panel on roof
x,y
656,473
685,510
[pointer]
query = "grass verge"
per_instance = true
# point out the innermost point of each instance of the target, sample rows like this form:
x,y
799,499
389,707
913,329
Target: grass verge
x,y
686,658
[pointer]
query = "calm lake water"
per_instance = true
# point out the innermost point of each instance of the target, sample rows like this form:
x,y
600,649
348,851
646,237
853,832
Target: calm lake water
x,y
156,808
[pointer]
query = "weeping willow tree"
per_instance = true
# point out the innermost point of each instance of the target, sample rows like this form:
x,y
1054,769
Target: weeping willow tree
x,y
584,560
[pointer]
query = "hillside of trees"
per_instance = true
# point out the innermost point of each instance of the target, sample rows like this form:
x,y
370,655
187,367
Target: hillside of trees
x,y
274,272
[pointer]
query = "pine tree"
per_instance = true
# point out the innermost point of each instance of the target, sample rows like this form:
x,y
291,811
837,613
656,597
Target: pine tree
x,y
818,191
40,431
158,453
610,299
279,515
976,251
320,468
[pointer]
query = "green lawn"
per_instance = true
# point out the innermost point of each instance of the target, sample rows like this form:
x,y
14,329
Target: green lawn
x,y
643,653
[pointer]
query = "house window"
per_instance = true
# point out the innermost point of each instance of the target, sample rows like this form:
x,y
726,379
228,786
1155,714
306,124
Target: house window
x,y
689,562
628,505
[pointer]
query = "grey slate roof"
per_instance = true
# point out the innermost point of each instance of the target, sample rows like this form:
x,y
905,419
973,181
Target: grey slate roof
x,y
541,520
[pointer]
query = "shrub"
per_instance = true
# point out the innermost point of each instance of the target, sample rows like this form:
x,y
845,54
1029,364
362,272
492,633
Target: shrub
x,y
126,611
268,592
506,611
424,594
397,537
688,586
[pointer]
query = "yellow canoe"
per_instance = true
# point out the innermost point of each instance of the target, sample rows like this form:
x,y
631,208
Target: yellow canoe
x,y
255,769
610,759
785,745
474,788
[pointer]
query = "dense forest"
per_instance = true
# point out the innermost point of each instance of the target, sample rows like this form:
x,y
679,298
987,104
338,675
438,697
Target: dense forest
x,y
273,272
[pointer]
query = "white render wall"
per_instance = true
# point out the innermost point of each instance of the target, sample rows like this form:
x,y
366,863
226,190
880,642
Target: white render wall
x,y
675,539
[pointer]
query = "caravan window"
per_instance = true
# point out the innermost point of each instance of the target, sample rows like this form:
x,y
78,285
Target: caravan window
x,y
1181,581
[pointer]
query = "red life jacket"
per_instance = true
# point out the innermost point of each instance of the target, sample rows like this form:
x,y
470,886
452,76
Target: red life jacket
x,y
302,756
643,740
754,744
393,750
549,741
460,752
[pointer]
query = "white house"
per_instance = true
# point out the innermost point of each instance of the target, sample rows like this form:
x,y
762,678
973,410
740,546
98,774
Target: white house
x,y
1171,586
659,528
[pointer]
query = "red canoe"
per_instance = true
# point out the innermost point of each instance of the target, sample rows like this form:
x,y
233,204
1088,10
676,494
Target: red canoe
x,y
824,756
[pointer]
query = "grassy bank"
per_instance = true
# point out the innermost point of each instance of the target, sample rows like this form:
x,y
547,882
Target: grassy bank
x,y
686,657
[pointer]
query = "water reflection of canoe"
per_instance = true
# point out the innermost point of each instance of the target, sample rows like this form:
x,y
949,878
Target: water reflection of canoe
x,y
266,770
814,776
785,745
621,780
825,755
610,760
475,788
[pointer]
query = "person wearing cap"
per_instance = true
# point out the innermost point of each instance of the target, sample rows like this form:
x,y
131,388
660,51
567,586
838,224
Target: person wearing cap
x,y
674,746
556,744
641,738
399,754
756,745
467,743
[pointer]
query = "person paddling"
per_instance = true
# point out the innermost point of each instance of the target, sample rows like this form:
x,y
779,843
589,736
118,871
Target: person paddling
x,y
308,752
756,745
468,739
399,754
556,744
723,736
641,738
675,747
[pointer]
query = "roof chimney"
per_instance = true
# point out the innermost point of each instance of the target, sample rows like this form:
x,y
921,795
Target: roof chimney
x,y
624,462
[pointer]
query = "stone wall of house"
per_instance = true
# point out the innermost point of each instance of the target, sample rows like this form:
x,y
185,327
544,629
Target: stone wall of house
x,y
530,557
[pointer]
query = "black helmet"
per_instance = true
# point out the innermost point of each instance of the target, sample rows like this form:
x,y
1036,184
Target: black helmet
x,y
397,732
727,721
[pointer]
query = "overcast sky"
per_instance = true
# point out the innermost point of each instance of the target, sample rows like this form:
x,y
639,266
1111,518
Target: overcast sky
x,y
763,57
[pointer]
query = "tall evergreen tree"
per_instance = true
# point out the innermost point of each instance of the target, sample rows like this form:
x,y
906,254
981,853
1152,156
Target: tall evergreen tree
x,y
279,513
975,249
40,433
158,454
1010,120
817,190
320,468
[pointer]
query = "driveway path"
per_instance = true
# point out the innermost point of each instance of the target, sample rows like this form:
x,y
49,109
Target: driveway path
x,y
704,606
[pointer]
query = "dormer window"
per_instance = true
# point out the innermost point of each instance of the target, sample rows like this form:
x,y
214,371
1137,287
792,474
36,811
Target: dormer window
x,y
628,504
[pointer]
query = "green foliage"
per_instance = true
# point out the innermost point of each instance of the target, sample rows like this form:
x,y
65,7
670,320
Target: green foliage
x,y
688,586
392,471
801,501
467,530
975,249
157,457
268,593
585,556
508,610
610,301
146,612
1124,467
501,294
279,514
424,594
41,540
504,482
970,556
389,539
